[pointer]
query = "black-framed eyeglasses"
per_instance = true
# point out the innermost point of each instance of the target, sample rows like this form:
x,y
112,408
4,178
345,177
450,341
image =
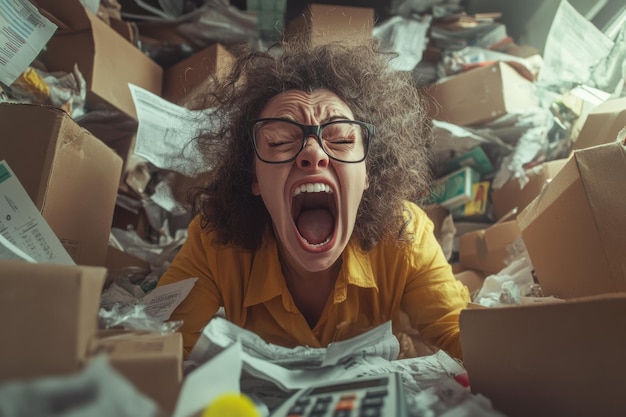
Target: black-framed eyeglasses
x,y
279,140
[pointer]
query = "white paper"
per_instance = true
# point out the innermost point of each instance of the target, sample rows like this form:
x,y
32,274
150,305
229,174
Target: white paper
x,y
21,222
220,333
23,34
163,300
573,45
214,378
407,37
9,251
165,132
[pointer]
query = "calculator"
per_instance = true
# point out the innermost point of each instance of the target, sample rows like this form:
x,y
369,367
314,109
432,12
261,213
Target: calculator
x,y
371,396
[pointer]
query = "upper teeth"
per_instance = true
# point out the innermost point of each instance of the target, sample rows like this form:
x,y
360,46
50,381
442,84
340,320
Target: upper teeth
x,y
317,187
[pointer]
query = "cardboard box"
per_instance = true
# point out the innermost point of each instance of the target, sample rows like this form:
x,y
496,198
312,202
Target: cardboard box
x,y
180,79
512,196
574,230
153,363
454,189
546,360
486,249
480,95
48,315
321,23
602,124
107,61
71,176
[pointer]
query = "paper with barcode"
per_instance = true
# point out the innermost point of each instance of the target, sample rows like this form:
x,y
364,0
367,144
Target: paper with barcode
x,y
162,301
165,133
23,226
23,34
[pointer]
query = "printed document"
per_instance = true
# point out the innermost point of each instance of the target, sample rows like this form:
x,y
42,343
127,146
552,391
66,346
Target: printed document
x,y
23,34
23,226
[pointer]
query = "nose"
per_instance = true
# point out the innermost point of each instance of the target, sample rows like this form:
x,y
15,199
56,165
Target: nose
x,y
312,155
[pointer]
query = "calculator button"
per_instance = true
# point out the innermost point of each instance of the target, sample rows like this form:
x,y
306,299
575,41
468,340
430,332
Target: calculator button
x,y
345,397
344,405
370,412
320,407
297,410
342,413
373,401
303,401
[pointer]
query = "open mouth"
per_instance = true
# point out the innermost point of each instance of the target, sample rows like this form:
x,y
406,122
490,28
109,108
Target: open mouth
x,y
313,211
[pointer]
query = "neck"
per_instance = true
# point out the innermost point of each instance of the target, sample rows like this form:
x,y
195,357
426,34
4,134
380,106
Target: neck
x,y
310,290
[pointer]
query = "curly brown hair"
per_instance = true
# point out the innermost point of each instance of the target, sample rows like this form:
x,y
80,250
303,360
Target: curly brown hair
x,y
398,165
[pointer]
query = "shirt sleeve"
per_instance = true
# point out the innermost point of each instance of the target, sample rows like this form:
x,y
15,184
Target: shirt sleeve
x,y
433,298
203,300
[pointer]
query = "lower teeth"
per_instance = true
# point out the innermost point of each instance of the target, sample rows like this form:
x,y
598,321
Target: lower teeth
x,y
317,245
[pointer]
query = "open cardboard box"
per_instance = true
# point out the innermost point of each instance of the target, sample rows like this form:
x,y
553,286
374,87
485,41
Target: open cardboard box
x,y
480,95
71,176
152,362
48,315
513,196
567,358
107,61
486,249
574,231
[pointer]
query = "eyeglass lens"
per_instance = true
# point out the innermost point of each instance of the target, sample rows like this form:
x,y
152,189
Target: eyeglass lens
x,y
279,140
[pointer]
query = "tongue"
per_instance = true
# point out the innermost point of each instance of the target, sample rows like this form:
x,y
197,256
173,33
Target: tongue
x,y
315,225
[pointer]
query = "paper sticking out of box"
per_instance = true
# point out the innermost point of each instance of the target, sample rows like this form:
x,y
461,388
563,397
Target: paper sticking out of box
x,y
25,33
22,225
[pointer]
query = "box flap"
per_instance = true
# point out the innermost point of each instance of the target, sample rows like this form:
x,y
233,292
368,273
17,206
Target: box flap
x,y
567,228
71,13
18,127
602,171
602,124
562,359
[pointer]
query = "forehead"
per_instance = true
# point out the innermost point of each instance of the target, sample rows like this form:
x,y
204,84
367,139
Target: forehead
x,y
320,104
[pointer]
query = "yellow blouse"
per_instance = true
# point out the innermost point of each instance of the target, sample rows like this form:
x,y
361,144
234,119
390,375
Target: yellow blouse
x,y
371,288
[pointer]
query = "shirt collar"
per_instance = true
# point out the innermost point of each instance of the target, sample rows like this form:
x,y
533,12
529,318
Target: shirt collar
x,y
267,281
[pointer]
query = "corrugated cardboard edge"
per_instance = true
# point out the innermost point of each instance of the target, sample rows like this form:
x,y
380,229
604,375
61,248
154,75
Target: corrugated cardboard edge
x,y
597,166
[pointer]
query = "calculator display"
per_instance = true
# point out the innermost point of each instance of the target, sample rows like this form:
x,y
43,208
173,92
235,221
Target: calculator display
x,y
348,386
